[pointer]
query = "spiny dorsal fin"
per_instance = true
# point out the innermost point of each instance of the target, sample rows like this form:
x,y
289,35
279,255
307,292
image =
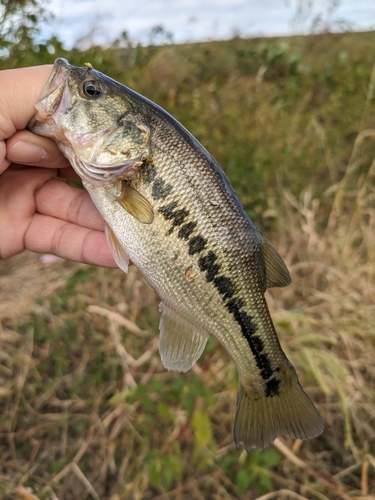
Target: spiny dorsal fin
x,y
135,204
181,343
277,273
290,412
119,256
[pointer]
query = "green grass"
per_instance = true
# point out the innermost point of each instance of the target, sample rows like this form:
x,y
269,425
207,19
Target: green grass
x,y
86,408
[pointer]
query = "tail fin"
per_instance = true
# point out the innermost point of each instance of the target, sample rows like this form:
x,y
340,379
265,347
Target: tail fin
x,y
259,421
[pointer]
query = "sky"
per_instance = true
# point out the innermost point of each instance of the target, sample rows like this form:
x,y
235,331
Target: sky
x,y
199,20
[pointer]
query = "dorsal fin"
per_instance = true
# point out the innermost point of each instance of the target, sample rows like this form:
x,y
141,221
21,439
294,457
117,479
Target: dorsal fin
x,y
135,204
181,343
277,273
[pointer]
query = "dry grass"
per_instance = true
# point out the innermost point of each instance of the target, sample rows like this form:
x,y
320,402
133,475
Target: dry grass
x,y
87,411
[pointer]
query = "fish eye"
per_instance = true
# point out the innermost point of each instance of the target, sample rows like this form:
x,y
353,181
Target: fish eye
x,y
92,88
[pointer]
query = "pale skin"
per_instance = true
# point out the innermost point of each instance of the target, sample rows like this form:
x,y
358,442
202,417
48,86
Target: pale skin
x,y
38,211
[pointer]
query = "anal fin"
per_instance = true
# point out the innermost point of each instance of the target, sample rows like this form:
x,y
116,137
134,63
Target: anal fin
x,y
119,256
181,343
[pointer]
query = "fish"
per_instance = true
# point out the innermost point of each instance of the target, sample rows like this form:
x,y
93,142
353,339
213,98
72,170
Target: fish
x,y
170,209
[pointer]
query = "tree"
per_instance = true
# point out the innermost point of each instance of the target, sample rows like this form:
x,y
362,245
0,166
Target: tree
x,y
19,25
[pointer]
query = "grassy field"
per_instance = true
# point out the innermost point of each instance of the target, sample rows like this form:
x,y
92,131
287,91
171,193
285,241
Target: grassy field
x,y
86,408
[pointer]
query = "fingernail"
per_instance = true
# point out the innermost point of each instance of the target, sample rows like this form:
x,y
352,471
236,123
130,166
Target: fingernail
x,y
25,152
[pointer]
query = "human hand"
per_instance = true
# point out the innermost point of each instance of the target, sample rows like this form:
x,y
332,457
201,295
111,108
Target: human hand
x,y
38,212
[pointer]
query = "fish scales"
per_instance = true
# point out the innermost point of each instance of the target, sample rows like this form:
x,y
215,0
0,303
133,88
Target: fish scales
x,y
185,190
171,210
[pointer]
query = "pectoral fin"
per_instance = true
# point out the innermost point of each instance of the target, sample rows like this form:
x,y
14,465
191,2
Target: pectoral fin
x,y
277,273
135,204
181,343
119,256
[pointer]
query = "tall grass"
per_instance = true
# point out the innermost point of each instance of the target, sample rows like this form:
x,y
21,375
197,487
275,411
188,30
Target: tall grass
x,y
86,408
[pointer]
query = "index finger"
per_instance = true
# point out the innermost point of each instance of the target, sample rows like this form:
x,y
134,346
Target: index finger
x,y
27,148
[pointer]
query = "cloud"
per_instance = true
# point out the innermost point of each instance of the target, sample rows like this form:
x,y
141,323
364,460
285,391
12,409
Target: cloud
x,y
213,19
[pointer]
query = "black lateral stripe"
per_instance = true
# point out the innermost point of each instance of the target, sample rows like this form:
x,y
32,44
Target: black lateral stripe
x,y
258,343
207,260
177,216
168,210
180,216
186,230
224,286
148,172
197,244
160,189
208,263
212,271
263,364
248,328
272,387
234,305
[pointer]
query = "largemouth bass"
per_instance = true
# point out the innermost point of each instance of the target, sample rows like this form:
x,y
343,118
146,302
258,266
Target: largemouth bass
x,y
171,210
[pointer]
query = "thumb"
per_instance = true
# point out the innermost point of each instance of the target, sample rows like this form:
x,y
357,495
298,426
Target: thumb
x,y
20,90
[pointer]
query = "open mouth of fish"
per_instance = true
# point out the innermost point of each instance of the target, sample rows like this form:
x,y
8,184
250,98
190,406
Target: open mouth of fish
x,y
53,101
85,150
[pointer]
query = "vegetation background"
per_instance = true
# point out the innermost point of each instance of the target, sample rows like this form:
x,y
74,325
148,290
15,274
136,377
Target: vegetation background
x,y
86,408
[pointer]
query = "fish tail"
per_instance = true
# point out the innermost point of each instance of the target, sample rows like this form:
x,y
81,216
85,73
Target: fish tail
x,y
288,411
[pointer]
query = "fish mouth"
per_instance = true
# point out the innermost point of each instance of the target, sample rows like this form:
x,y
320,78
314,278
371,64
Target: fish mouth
x,y
53,100
55,81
